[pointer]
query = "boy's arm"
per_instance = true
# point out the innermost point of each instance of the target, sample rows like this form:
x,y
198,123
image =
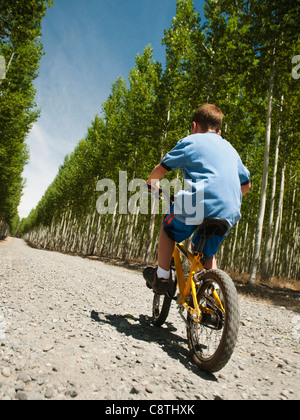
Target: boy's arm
x,y
245,188
158,173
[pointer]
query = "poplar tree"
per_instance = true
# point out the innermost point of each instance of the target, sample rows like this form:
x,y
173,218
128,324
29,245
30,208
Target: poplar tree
x,y
20,28
184,77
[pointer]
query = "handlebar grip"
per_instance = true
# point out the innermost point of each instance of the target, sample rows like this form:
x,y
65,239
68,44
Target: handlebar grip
x,y
162,192
150,189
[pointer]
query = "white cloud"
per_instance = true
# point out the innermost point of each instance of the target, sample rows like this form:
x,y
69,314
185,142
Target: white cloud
x,y
40,172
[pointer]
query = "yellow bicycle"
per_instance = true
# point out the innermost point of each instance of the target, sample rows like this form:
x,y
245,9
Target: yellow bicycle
x,y
208,298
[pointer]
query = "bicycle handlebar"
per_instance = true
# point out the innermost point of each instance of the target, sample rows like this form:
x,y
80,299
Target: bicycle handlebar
x,y
160,193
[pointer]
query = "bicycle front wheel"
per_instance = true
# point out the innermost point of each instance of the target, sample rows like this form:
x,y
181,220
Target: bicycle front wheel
x,y
162,304
161,309
212,341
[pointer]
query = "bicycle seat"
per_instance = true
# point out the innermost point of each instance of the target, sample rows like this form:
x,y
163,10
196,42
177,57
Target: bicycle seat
x,y
213,226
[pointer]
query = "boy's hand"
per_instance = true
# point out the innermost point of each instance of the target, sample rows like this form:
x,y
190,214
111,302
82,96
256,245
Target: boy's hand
x,y
158,173
153,187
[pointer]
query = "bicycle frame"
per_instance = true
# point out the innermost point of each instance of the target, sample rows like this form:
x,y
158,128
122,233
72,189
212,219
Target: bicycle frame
x,y
189,288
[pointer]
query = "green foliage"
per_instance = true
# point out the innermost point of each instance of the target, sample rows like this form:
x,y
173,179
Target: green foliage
x,y
20,27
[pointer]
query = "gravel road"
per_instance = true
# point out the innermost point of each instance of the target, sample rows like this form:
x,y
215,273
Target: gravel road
x,y
74,328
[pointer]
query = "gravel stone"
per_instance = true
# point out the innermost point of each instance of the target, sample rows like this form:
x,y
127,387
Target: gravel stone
x,y
76,328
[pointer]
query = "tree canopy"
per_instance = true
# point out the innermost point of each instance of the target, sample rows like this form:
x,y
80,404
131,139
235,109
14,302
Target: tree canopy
x,y
240,58
20,29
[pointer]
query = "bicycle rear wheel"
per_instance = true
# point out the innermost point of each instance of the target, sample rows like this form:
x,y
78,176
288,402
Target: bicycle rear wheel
x,y
212,341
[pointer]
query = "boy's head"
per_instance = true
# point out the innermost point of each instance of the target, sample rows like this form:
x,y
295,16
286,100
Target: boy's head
x,y
207,118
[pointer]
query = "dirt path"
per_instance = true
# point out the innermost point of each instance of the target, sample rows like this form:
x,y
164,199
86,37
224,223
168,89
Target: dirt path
x,y
76,328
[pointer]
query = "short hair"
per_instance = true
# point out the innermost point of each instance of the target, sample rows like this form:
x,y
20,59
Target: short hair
x,y
209,117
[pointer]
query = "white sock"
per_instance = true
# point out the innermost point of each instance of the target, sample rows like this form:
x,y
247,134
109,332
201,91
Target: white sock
x,y
163,274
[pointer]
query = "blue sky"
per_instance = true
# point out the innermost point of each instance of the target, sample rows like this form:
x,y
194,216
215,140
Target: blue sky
x,y
88,44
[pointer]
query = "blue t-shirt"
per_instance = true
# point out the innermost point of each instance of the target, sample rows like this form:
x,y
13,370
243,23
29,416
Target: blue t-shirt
x,y
213,173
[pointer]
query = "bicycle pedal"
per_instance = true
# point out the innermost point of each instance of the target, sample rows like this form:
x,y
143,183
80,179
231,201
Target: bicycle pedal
x,y
170,296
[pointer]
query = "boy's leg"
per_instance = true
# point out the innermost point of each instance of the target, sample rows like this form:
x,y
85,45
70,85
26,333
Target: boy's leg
x,y
172,231
158,278
211,264
165,250
210,249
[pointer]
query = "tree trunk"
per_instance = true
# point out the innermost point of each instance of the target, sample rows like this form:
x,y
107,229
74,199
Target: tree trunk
x,y
265,266
234,246
277,223
262,209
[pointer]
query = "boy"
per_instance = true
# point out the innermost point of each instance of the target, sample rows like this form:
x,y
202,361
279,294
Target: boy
x,y
216,180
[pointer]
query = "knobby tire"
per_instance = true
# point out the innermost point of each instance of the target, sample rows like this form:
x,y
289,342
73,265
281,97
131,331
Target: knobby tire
x,y
231,322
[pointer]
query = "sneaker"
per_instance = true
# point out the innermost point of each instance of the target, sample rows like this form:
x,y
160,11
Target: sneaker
x,y
158,285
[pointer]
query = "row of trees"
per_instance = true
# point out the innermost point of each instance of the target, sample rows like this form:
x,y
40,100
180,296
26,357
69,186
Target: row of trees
x,y
241,59
20,52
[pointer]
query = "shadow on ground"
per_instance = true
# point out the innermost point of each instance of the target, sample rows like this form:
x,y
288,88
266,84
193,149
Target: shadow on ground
x,y
141,329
